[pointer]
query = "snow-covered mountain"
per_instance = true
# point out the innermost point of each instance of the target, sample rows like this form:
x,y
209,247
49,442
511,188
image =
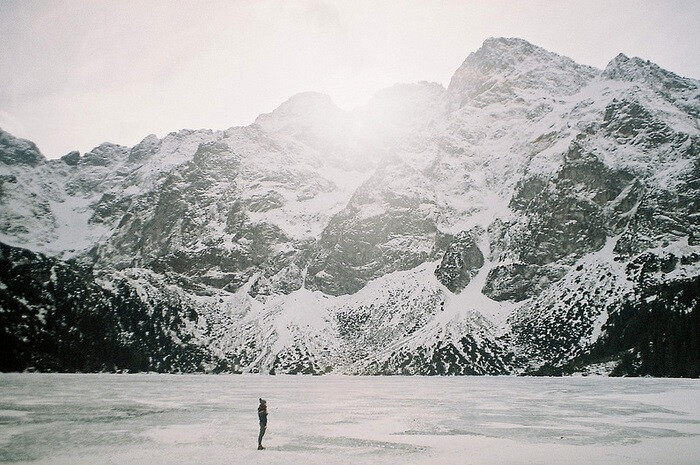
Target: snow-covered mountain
x,y
537,216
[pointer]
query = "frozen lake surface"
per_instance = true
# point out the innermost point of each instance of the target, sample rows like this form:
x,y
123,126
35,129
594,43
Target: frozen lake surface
x,y
211,419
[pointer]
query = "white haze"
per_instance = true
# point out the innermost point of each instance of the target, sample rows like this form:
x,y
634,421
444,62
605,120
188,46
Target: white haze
x,y
74,74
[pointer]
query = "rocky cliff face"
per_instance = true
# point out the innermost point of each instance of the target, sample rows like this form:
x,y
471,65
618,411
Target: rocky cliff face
x,y
518,221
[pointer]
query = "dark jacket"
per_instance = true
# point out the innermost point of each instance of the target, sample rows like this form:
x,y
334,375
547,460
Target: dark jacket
x,y
262,414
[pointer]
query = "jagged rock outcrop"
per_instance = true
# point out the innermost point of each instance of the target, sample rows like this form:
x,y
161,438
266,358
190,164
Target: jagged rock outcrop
x,y
18,151
572,213
520,281
383,229
461,261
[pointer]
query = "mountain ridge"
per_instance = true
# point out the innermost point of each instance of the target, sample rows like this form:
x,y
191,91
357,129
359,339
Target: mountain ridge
x,y
504,225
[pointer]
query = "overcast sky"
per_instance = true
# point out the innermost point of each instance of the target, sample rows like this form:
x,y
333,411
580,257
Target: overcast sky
x,y
74,74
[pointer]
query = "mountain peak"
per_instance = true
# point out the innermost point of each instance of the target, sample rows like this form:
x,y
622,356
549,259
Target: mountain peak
x,y
625,68
508,43
635,69
499,53
518,64
305,102
303,108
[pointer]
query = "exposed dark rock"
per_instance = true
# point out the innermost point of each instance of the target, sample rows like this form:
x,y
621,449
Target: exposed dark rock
x,y
144,149
397,234
15,151
71,158
573,213
664,215
518,281
110,208
103,155
630,122
460,263
6,178
265,202
168,237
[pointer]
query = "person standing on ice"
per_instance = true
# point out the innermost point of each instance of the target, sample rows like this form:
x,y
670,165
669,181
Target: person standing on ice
x,y
262,416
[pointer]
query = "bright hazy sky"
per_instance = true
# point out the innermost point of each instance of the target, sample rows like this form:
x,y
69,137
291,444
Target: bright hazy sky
x,y
74,74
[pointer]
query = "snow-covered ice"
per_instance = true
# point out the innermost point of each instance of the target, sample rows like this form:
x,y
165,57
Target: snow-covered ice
x,y
211,419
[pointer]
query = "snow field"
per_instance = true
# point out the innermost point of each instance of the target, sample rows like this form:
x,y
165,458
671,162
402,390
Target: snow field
x,y
211,419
